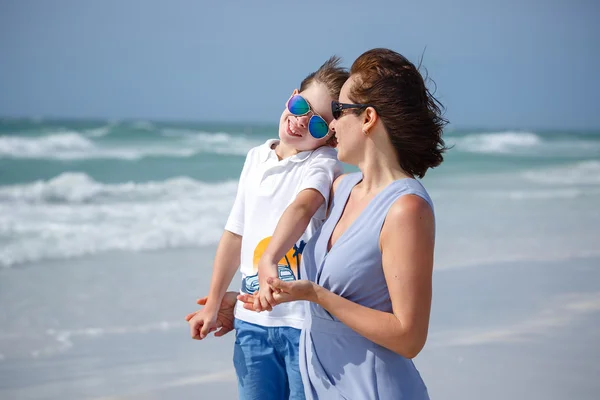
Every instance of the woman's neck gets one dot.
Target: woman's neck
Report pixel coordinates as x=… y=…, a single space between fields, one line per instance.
x=379 y=169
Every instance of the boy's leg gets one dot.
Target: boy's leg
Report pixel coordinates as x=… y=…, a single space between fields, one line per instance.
x=288 y=348
x=260 y=371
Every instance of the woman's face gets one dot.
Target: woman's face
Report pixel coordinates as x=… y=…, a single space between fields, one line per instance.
x=348 y=129
x=293 y=130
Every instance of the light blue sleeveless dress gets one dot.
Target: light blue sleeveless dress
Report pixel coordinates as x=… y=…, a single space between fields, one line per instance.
x=335 y=361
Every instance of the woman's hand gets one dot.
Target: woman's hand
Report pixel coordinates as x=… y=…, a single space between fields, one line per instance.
x=284 y=292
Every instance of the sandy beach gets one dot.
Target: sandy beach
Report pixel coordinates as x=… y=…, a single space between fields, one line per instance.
x=112 y=328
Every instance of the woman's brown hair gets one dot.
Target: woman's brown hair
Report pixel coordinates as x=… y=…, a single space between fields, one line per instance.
x=410 y=113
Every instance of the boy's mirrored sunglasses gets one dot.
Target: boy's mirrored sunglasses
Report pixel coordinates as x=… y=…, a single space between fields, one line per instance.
x=317 y=126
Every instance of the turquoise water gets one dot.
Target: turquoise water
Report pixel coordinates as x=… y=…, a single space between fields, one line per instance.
x=76 y=188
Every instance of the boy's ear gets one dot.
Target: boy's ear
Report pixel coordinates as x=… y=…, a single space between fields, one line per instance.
x=295 y=92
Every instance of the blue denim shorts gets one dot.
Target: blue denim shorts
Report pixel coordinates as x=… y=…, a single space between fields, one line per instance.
x=266 y=362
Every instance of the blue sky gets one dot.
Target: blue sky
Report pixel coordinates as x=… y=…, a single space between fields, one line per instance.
x=510 y=64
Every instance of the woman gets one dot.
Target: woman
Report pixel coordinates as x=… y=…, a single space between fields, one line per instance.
x=369 y=268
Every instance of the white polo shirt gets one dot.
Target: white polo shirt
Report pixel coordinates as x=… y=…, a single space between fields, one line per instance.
x=266 y=188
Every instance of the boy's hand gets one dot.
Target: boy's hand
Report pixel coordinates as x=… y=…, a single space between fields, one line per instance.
x=223 y=319
x=264 y=300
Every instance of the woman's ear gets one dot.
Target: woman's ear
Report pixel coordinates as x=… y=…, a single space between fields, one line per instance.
x=370 y=118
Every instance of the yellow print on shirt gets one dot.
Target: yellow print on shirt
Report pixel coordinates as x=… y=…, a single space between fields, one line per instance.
x=288 y=266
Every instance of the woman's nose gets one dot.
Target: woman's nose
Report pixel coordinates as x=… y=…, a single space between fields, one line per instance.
x=332 y=125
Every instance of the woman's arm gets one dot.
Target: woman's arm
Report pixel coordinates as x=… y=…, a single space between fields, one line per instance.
x=407 y=241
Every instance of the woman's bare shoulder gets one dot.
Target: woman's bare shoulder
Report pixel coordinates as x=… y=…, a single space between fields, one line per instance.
x=336 y=182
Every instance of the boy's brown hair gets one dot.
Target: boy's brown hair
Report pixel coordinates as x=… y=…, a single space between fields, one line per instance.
x=333 y=77
x=329 y=74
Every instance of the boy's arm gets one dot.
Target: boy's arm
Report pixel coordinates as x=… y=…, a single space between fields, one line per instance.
x=291 y=226
x=227 y=258
x=227 y=261
x=314 y=190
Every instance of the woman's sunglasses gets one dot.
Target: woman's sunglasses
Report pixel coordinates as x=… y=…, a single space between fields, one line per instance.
x=317 y=127
x=337 y=108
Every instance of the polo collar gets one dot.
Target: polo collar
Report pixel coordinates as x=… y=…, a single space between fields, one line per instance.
x=266 y=151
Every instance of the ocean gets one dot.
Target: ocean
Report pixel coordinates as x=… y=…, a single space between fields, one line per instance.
x=108 y=229
x=77 y=188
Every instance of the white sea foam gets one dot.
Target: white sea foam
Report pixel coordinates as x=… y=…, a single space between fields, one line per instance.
x=497 y=142
x=76 y=146
x=515 y=194
x=143 y=125
x=39 y=147
x=581 y=173
x=524 y=143
x=73 y=215
x=70 y=145
x=219 y=142
x=98 y=132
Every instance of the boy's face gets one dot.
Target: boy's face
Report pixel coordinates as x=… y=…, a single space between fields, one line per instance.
x=293 y=130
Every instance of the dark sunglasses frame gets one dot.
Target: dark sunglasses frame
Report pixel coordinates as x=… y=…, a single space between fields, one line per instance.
x=337 y=108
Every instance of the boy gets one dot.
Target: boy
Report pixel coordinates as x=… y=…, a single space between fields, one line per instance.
x=281 y=201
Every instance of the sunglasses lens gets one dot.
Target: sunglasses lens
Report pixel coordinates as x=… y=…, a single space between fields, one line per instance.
x=297 y=105
x=336 y=109
x=318 y=127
